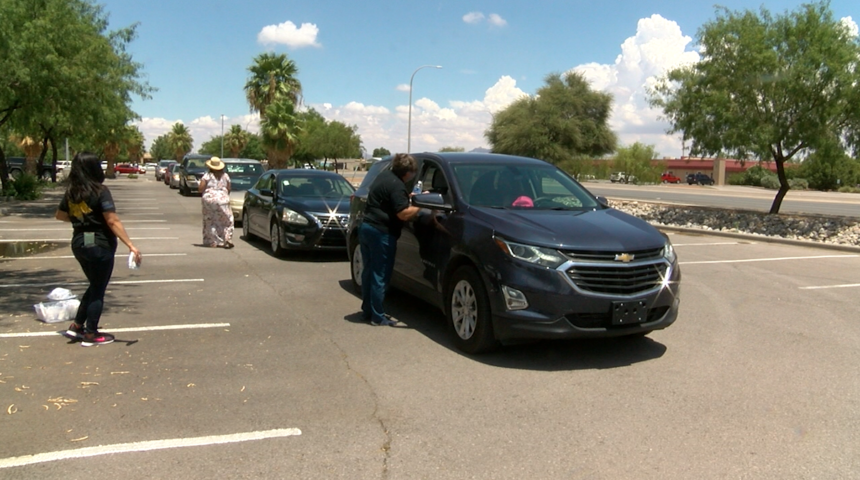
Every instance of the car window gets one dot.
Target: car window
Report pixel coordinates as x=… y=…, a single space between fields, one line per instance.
x=243 y=168
x=265 y=182
x=314 y=186
x=433 y=180
x=542 y=187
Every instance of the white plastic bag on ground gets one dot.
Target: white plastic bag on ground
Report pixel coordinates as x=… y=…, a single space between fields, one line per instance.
x=54 y=312
x=58 y=294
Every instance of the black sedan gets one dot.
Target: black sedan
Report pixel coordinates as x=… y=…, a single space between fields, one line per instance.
x=298 y=209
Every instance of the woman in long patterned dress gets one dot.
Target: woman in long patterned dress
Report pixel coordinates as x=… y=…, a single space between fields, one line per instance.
x=217 y=214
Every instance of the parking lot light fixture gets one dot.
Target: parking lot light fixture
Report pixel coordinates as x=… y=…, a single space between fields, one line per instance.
x=409 y=127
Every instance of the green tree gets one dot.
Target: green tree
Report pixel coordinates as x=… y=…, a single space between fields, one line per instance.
x=272 y=76
x=280 y=130
x=452 y=149
x=180 y=141
x=636 y=160
x=829 y=167
x=211 y=146
x=235 y=140
x=160 y=148
x=62 y=73
x=564 y=120
x=768 y=87
x=133 y=143
x=380 y=152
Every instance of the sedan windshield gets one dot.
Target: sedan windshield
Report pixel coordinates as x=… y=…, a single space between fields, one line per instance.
x=541 y=187
x=314 y=186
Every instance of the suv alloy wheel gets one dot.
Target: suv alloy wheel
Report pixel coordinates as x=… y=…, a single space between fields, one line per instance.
x=468 y=310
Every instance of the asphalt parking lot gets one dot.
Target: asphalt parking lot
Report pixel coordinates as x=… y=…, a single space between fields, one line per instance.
x=238 y=364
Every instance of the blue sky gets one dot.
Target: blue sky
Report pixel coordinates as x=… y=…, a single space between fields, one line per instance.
x=355 y=60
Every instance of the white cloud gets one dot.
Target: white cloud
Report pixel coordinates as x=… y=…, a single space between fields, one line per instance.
x=658 y=46
x=403 y=87
x=497 y=20
x=287 y=34
x=851 y=25
x=473 y=17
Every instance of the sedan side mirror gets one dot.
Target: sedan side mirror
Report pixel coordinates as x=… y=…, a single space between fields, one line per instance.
x=603 y=201
x=433 y=201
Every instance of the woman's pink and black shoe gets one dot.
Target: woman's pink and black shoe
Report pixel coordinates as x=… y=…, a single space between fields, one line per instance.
x=96 y=338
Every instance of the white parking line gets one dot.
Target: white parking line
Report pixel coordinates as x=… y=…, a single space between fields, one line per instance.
x=118 y=282
x=69 y=229
x=147 y=446
x=56 y=257
x=15 y=240
x=822 y=287
x=768 y=259
x=709 y=244
x=124 y=330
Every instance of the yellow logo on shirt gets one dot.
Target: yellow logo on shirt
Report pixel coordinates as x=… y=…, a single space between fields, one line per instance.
x=78 y=210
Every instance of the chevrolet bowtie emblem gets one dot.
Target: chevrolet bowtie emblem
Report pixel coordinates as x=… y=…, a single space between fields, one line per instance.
x=624 y=257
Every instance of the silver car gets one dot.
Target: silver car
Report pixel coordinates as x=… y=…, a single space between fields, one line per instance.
x=174 y=176
x=243 y=173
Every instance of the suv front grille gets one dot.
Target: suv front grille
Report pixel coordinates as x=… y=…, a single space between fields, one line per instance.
x=617 y=278
x=589 y=256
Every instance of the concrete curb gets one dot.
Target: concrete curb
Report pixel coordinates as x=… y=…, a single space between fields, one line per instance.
x=759 y=238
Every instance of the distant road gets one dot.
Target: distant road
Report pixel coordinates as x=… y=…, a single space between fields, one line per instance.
x=729 y=196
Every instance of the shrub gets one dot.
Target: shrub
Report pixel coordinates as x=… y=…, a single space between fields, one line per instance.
x=26 y=187
x=770 y=181
x=848 y=189
x=132 y=175
x=798 y=184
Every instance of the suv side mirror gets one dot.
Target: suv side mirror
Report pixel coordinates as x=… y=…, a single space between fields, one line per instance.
x=266 y=192
x=433 y=201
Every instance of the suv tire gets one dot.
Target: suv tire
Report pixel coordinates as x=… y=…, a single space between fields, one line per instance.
x=356 y=266
x=468 y=310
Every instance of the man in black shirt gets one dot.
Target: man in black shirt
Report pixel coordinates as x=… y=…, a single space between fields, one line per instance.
x=387 y=209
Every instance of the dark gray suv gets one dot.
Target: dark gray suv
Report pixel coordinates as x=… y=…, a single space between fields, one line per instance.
x=191 y=170
x=514 y=248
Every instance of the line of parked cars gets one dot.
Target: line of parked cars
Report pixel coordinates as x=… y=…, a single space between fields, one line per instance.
x=509 y=248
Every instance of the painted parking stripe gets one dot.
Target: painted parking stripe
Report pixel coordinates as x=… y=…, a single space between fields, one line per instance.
x=59 y=257
x=768 y=259
x=15 y=240
x=822 y=287
x=69 y=229
x=118 y=282
x=190 y=326
x=147 y=446
x=709 y=244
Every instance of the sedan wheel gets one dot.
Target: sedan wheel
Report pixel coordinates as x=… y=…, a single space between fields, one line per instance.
x=246 y=226
x=357 y=267
x=469 y=312
x=276 y=239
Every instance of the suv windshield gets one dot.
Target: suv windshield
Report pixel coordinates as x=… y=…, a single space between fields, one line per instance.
x=541 y=187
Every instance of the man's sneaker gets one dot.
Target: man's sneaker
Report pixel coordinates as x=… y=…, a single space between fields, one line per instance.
x=96 y=338
x=388 y=321
x=75 y=331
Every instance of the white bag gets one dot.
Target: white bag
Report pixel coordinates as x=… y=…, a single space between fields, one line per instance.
x=54 y=312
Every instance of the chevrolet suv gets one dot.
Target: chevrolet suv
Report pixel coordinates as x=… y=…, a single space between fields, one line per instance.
x=513 y=248
x=191 y=170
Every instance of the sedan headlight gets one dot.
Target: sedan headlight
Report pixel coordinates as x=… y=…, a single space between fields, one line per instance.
x=669 y=252
x=545 y=257
x=293 y=217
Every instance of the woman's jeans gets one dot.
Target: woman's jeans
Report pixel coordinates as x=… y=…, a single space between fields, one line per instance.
x=377 y=254
x=97 y=263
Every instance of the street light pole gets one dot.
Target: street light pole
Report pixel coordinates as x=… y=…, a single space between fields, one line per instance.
x=222 y=135
x=409 y=128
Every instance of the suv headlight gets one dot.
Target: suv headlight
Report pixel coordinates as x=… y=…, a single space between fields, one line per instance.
x=291 y=216
x=545 y=257
x=669 y=252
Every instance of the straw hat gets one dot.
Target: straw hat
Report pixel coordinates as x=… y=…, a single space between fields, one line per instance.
x=215 y=163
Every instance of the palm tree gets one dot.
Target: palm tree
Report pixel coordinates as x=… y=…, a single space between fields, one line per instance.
x=180 y=140
x=280 y=128
x=236 y=140
x=32 y=149
x=133 y=143
x=272 y=76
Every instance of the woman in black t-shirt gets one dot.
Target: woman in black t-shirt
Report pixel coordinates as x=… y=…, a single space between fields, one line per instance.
x=88 y=205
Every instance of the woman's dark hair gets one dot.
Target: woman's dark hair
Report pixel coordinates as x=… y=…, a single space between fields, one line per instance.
x=402 y=164
x=85 y=177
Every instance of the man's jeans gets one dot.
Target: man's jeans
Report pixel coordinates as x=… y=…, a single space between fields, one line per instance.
x=377 y=254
